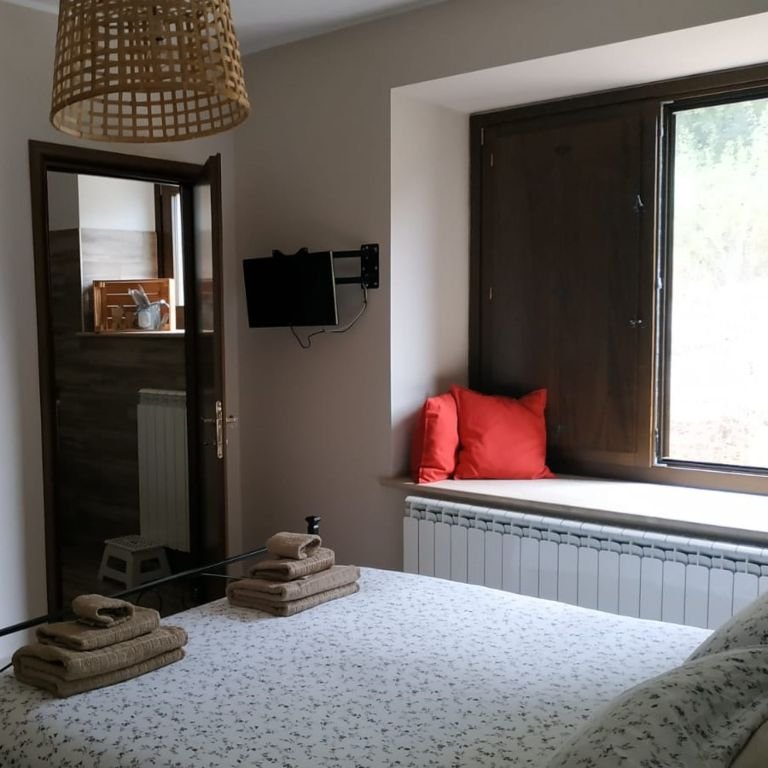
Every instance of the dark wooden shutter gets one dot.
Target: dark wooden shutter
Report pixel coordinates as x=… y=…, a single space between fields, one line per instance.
x=564 y=289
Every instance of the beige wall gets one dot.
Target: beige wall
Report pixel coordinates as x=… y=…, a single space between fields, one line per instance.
x=313 y=168
x=26 y=52
x=429 y=269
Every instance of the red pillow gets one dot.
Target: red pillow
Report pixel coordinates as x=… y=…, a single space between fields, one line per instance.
x=435 y=440
x=501 y=437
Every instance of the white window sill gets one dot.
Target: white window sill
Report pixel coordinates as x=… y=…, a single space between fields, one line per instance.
x=718 y=514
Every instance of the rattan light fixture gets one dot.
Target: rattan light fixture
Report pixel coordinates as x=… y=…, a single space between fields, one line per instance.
x=147 y=70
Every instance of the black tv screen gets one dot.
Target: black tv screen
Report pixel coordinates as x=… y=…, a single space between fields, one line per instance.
x=290 y=290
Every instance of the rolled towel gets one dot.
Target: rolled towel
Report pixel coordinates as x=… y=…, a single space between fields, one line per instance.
x=285 y=591
x=284 y=569
x=63 y=688
x=296 y=546
x=100 y=611
x=245 y=598
x=82 y=637
x=66 y=664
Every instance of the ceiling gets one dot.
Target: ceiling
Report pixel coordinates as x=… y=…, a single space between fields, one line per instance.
x=723 y=45
x=266 y=23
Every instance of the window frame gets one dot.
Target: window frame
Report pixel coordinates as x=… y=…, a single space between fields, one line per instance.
x=665 y=258
x=661 y=97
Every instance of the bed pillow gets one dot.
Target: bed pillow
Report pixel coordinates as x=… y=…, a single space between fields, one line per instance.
x=748 y=627
x=701 y=714
x=435 y=440
x=501 y=438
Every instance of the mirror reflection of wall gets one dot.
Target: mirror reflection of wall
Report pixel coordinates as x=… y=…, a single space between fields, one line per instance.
x=121 y=461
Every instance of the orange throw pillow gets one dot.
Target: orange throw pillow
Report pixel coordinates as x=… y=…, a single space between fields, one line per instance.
x=501 y=438
x=435 y=440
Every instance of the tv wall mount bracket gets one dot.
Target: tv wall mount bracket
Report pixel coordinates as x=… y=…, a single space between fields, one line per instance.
x=369 y=264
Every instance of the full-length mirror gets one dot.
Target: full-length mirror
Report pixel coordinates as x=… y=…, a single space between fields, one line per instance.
x=131 y=372
x=120 y=380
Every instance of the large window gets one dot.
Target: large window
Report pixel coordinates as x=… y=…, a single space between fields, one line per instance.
x=620 y=259
x=714 y=385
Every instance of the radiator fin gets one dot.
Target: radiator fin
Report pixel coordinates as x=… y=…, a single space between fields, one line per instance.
x=426 y=548
x=493 y=559
x=443 y=550
x=475 y=556
x=568 y=573
x=629 y=585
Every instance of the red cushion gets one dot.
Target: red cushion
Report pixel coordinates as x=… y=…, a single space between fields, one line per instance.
x=501 y=438
x=435 y=440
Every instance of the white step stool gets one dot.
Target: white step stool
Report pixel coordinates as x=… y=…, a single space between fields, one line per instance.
x=133 y=561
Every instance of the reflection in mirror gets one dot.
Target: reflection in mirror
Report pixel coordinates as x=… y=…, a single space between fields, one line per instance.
x=204 y=257
x=116 y=308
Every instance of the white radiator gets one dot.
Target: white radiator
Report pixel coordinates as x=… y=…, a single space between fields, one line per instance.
x=163 y=473
x=645 y=574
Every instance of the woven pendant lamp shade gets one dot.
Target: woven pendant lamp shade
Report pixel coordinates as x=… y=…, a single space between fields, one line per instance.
x=147 y=71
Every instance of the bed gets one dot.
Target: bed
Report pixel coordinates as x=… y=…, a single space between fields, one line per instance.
x=411 y=671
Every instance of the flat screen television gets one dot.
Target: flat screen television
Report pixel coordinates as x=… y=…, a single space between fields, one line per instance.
x=298 y=290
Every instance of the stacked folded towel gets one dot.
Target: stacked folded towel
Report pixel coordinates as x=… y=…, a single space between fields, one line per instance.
x=300 y=574
x=109 y=642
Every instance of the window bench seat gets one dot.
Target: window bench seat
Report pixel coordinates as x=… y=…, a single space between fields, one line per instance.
x=686 y=511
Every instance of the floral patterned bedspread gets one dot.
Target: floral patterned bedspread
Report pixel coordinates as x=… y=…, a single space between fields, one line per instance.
x=411 y=671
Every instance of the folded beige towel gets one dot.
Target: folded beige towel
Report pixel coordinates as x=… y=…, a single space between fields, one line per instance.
x=100 y=611
x=284 y=591
x=63 y=688
x=65 y=664
x=244 y=598
x=82 y=637
x=285 y=569
x=297 y=546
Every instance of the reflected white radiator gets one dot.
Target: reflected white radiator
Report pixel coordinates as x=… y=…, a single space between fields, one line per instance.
x=163 y=473
x=637 y=573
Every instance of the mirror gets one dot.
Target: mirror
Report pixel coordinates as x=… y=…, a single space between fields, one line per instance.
x=116 y=302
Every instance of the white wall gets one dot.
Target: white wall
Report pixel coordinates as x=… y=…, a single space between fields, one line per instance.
x=313 y=168
x=26 y=52
x=429 y=268
x=122 y=204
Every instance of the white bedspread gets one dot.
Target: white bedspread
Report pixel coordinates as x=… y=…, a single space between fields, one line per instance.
x=411 y=671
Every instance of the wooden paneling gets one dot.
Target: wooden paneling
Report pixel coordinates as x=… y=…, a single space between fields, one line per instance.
x=110 y=254
x=559 y=296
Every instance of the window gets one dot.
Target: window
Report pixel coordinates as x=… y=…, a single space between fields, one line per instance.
x=620 y=259
x=714 y=368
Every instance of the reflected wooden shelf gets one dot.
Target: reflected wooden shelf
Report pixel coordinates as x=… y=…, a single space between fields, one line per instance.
x=133 y=334
x=114 y=309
